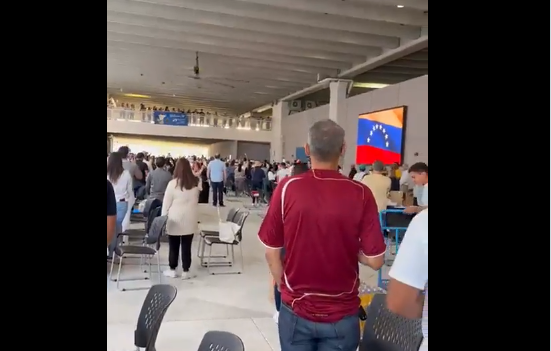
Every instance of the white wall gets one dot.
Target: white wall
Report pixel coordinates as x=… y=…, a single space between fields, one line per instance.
x=295 y=128
x=254 y=151
x=159 y=147
x=224 y=148
x=412 y=93
x=141 y=128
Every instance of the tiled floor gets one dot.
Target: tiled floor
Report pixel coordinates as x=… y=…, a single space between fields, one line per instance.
x=236 y=303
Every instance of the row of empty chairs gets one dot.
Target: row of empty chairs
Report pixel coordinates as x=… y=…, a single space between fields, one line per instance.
x=154 y=308
x=146 y=244
x=383 y=331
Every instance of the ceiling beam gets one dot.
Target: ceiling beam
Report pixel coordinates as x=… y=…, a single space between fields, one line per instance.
x=273 y=13
x=183 y=37
x=172 y=44
x=422 y=5
x=250 y=24
x=408 y=64
x=399 y=70
x=362 y=11
x=187 y=57
x=131 y=67
x=264 y=39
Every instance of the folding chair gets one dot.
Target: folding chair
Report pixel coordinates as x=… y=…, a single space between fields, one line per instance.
x=149 y=250
x=221 y=340
x=212 y=230
x=156 y=303
x=386 y=331
x=210 y=241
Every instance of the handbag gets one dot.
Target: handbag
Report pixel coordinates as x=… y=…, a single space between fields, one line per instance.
x=227 y=230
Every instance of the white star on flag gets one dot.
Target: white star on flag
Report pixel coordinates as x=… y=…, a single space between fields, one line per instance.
x=383 y=130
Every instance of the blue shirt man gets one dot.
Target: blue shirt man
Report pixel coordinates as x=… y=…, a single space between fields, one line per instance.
x=216 y=173
x=216 y=169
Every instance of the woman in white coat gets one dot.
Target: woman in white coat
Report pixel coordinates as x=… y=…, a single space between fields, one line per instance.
x=180 y=204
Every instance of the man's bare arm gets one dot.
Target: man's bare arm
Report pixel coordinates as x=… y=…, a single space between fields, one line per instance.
x=273 y=257
x=374 y=263
x=404 y=300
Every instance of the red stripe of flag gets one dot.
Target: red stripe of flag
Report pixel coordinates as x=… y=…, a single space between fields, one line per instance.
x=366 y=154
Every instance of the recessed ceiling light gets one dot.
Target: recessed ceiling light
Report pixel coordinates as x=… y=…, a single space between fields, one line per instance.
x=400 y=6
x=139 y=96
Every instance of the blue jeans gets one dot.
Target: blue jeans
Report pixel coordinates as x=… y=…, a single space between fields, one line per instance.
x=299 y=334
x=122 y=208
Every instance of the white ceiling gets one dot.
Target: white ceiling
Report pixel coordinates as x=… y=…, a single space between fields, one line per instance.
x=251 y=52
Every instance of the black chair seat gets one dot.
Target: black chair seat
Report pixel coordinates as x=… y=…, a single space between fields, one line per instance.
x=134 y=250
x=134 y=232
x=213 y=240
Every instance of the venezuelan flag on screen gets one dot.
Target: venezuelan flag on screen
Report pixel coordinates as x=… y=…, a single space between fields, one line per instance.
x=380 y=136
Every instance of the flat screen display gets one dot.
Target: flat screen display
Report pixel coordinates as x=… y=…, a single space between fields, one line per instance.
x=381 y=136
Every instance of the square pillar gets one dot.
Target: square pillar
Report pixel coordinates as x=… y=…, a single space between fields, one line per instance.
x=337 y=102
x=279 y=111
x=338 y=92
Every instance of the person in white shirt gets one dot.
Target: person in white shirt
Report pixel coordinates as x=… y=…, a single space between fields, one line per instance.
x=379 y=185
x=282 y=172
x=361 y=173
x=182 y=208
x=419 y=173
x=124 y=193
x=409 y=275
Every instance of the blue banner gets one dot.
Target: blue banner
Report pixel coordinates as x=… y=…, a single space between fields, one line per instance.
x=170 y=118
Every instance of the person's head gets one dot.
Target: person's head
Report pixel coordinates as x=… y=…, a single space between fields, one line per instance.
x=419 y=172
x=362 y=168
x=160 y=162
x=184 y=175
x=352 y=167
x=114 y=167
x=282 y=165
x=240 y=167
x=325 y=144
x=395 y=166
x=378 y=167
x=299 y=168
x=124 y=151
x=140 y=156
x=217 y=156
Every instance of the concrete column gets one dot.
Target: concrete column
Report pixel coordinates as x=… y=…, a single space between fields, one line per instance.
x=337 y=101
x=337 y=108
x=279 y=111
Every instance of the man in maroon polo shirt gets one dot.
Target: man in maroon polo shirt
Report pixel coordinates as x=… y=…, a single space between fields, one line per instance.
x=326 y=224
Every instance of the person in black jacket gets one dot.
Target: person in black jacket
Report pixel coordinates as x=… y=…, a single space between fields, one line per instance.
x=257 y=179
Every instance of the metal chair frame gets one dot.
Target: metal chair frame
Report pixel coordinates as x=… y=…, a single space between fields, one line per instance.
x=146 y=252
x=210 y=241
x=232 y=214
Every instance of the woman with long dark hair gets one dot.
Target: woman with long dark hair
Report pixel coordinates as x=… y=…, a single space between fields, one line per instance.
x=124 y=192
x=201 y=171
x=180 y=205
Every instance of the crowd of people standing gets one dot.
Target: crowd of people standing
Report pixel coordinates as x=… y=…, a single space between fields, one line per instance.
x=315 y=272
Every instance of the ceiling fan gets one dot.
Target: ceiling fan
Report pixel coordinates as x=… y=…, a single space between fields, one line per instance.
x=197 y=75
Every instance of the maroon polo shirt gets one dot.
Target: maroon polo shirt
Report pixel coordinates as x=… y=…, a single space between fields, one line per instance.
x=323 y=220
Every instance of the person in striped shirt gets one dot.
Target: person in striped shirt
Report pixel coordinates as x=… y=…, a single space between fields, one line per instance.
x=409 y=275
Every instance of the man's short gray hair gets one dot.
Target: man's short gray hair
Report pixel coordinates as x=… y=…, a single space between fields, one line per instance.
x=378 y=166
x=326 y=139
